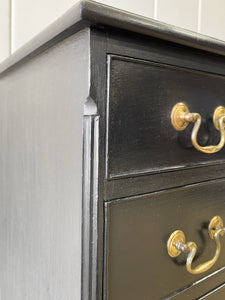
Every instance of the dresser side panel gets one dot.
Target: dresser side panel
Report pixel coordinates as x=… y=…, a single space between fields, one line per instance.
x=41 y=124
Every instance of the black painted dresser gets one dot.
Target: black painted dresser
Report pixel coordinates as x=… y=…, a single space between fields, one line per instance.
x=112 y=165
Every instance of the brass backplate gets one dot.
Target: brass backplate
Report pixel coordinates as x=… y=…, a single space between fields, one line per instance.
x=219 y=112
x=180 y=109
x=215 y=223
x=175 y=238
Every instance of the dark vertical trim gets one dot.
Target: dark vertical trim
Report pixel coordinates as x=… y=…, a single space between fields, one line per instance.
x=107 y=116
x=104 y=283
x=98 y=91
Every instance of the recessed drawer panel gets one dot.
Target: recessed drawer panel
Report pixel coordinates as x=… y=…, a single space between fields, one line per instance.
x=141 y=138
x=138 y=265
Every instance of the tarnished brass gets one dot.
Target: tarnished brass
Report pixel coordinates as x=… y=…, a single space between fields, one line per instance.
x=177 y=116
x=181 y=117
x=215 y=223
x=175 y=238
x=218 y=113
x=176 y=244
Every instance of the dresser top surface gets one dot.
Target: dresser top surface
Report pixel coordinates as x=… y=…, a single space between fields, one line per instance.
x=88 y=13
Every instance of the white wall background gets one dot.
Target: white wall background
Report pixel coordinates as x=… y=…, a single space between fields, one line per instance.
x=20 y=20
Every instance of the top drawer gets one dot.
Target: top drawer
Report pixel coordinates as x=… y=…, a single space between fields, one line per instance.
x=141 y=138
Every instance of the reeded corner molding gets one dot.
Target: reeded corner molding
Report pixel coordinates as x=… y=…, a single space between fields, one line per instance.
x=89 y=290
x=90 y=107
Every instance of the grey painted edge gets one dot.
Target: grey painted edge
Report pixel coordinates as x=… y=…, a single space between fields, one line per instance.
x=90 y=201
x=89 y=13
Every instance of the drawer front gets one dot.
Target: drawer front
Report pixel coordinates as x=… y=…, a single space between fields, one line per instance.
x=217 y=294
x=137 y=229
x=141 y=138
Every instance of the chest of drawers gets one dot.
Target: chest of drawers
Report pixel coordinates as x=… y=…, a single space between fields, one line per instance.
x=96 y=174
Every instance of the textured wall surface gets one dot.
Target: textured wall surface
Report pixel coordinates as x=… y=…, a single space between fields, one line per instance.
x=21 y=20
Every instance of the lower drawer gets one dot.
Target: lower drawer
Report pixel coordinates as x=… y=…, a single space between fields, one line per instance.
x=137 y=263
x=216 y=294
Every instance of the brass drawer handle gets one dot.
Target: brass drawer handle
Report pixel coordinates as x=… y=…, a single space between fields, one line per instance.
x=176 y=244
x=181 y=117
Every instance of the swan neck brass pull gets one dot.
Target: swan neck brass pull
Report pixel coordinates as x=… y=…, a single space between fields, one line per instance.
x=176 y=244
x=181 y=117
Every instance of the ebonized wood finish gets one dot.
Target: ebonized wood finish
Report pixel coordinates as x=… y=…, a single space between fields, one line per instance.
x=130 y=86
x=127 y=173
x=137 y=259
x=216 y=294
x=141 y=178
x=141 y=138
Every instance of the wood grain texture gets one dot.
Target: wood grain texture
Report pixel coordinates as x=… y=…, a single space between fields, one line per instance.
x=135 y=49
x=98 y=94
x=109 y=41
x=138 y=265
x=141 y=97
x=42 y=92
x=41 y=119
x=198 y=289
x=216 y=294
